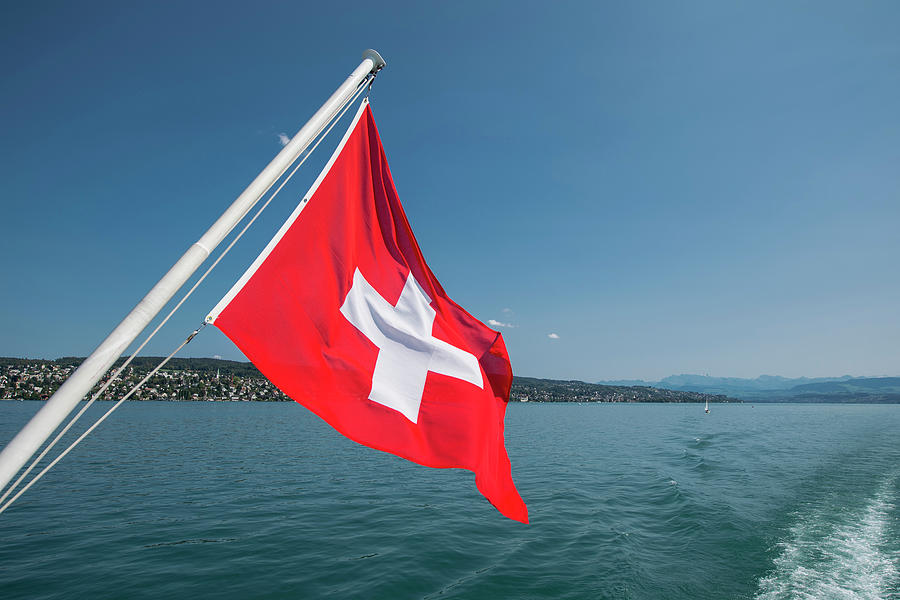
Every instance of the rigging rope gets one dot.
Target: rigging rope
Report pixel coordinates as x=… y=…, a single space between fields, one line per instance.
x=365 y=85
x=101 y=419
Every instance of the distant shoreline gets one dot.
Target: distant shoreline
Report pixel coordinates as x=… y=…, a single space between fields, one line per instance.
x=699 y=402
x=218 y=380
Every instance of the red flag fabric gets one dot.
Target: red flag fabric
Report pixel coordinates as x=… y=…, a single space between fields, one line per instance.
x=341 y=312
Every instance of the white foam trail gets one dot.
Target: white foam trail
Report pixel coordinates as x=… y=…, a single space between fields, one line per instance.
x=838 y=555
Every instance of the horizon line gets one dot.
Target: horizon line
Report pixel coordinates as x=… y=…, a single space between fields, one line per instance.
x=594 y=381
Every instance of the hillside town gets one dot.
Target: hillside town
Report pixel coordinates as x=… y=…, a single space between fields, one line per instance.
x=38 y=379
x=213 y=380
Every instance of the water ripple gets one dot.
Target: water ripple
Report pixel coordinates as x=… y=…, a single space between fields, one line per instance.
x=635 y=502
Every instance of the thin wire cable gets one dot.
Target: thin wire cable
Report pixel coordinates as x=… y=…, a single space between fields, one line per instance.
x=307 y=153
x=77 y=416
x=119 y=371
x=101 y=419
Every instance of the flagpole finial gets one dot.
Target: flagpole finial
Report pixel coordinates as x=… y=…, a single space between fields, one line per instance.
x=377 y=62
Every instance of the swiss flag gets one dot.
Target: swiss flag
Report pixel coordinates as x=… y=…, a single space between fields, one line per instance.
x=341 y=312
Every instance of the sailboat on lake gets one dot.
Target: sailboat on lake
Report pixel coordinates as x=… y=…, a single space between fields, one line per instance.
x=706 y=408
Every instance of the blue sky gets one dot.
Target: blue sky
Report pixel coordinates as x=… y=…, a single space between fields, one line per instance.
x=698 y=187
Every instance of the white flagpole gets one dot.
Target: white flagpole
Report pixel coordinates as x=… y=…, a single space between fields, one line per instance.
x=29 y=439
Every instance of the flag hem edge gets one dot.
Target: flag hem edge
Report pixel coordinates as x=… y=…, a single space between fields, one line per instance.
x=236 y=288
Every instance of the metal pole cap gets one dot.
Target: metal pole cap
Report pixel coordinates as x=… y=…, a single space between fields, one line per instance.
x=377 y=62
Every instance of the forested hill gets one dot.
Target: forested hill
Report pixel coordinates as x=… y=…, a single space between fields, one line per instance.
x=860 y=389
x=530 y=389
x=216 y=379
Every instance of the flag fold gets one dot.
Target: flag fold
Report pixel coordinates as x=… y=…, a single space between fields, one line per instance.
x=341 y=312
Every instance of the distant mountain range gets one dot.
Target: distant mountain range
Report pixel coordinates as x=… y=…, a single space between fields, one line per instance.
x=780 y=389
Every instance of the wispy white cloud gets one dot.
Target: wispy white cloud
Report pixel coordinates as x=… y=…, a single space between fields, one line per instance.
x=506 y=311
x=283 y=139
x=552 y=336
x=217 y=356
x=494 y=323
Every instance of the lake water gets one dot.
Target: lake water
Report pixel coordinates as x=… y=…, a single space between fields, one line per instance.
x=638 y=501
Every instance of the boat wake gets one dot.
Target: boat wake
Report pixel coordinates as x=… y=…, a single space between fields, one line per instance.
x=837 y=552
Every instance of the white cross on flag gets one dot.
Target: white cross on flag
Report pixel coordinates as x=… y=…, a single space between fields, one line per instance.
x=341 y=312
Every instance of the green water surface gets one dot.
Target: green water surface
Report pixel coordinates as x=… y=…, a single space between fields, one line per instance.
x=643 y=501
